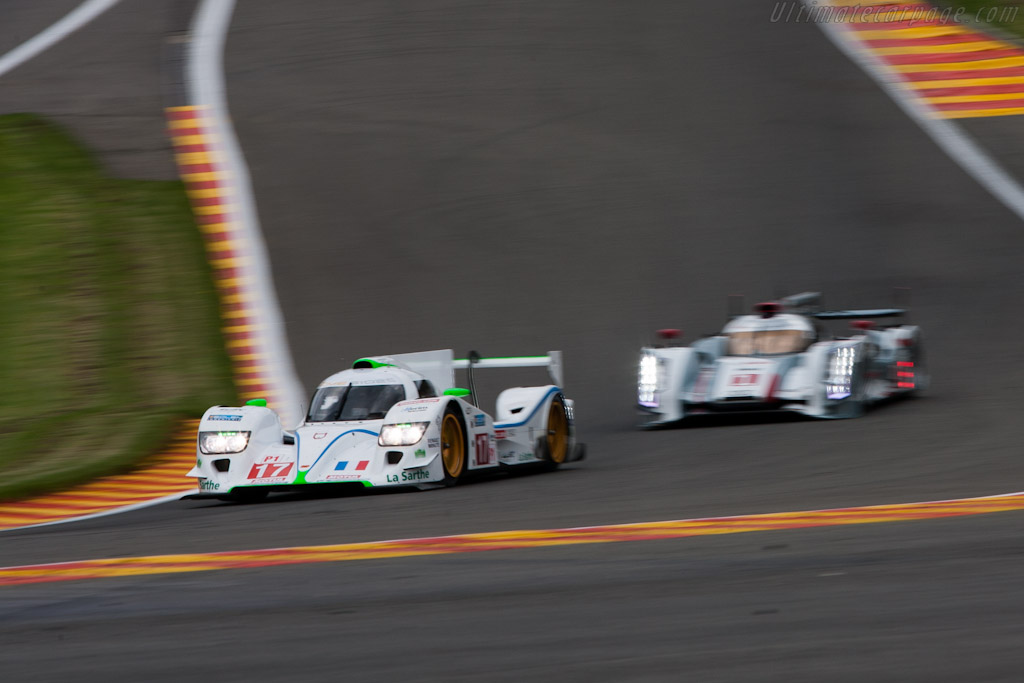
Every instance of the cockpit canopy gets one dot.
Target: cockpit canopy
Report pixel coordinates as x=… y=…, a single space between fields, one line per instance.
x=757 y=336
x=354 y=402
x=767 y=342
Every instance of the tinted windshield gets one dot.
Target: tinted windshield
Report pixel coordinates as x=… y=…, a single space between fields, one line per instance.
x=363 y=402
x=767 y=342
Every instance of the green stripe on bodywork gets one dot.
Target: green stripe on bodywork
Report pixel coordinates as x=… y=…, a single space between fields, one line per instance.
x=466 y=360
x=373 y=363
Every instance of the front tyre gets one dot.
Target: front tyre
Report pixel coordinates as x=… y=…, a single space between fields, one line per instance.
x=453 y=446
x=246 y=494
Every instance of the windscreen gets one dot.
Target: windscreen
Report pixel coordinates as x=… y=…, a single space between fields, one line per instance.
x=361 y=402
x=767 y=342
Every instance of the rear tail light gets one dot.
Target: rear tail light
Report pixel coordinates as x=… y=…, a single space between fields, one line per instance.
x=904 y=374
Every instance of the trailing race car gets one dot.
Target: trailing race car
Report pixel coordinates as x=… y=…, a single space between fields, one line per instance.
x=384 y=423
x=781 y=359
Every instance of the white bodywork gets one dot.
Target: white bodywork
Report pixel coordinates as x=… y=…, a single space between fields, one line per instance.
x=738 y=370
x=351 y=450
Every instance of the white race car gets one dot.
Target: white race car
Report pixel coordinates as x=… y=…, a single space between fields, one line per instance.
x=384 y=423
x=782 y=359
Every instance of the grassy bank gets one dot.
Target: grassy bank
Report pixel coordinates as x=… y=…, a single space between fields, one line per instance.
x=110 y=330
x=1003 y=14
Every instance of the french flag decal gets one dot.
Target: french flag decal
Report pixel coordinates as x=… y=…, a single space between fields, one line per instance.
x=361 y=465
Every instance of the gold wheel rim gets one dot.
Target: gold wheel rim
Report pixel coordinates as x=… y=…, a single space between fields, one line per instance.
x=558 y=432
x=453 y=452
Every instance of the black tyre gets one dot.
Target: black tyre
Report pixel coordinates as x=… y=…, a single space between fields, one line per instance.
x=248 y=494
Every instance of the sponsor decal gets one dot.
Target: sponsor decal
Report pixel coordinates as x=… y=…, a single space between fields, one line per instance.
x=270 y=471
x=207 y=485
x=434 y=442
x=415 y=409
x=483 y=449
x=319 y=435
x=420 y=453
x=224 y=418
x=744 y=380
x=407 y=476
x=702 y=383
x=479 y=420
x=523 y=457
x=343 y=465
x=199 y=462
x=342 y=477
x=500 y=434
x=420 y=400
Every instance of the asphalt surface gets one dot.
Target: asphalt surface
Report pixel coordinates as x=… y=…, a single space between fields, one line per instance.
x=534 y=176
x=105 y=83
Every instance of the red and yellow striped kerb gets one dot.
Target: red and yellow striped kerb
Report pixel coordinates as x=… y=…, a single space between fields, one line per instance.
x=955 y=70
x=502 y=540
x=163 y=478
x=210 y=191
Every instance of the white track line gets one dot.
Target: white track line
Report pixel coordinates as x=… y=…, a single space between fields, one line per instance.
x=74 y=20
x=206 y=88
x=112 y=511
x=952 y=139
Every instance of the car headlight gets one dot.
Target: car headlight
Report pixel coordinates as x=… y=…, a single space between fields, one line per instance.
x=650 y=380
x=839 y=382
x=404 y=434
x=223 y=442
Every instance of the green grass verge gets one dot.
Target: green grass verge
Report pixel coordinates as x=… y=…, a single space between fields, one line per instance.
x=1007 y=15
x=109 y=327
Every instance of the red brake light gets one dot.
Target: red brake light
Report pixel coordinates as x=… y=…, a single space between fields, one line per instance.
x=768 y=309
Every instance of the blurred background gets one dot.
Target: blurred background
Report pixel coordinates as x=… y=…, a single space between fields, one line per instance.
x=514 y=178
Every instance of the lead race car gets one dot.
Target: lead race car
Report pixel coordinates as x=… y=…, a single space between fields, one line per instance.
x=383 y=423
x=781 y=358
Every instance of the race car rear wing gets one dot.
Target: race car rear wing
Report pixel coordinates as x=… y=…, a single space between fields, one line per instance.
x=552 y=361
x=439 y=366
x=854 y=314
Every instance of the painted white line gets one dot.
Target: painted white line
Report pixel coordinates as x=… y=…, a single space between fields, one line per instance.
x=206 y=88
x=74 y=20
x=950 y=138
x=106 y=513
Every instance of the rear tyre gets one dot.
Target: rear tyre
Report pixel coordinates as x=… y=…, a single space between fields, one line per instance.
x=453 y=446
x=556 y=444
x=921 y=376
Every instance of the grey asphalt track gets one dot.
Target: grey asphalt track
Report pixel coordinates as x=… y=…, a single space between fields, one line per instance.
x=521 y=177
x=105 y=82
